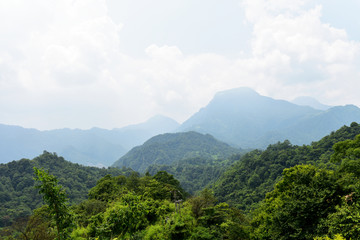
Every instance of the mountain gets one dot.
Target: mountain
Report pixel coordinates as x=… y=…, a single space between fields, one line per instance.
x=93 y=147
x=311 y=102
x=244 y=118
x=171 y=147
x=18 y=196
x=137 y=134
x=86 y=147
x=254 y=174
x=315 y=127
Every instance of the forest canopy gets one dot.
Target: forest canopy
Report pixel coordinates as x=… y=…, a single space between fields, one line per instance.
x=283 y=192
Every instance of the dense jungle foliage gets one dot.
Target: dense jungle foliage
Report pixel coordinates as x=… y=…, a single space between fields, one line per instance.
x=245 y=183
x=19 y=198
x=300 y=192
x=197 y=173
x=133 y=207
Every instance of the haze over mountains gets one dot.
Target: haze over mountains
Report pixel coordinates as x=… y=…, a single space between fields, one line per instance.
x=248 y=120
x=311 y=102
x=240 y=117
x=94 y=147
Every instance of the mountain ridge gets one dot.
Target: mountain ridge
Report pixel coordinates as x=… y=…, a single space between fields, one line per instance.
x=311 y=102
x=92 y=147
x=247 y=119
x=240 y=117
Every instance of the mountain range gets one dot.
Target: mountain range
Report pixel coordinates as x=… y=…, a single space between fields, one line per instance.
x=311 y=102
x=93 y=147
x=246 y=119
x=239 y=117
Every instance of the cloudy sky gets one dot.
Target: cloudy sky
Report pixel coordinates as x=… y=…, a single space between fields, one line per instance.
x=110 y=63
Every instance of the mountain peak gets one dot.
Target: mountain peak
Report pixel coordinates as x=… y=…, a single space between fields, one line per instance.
x=237 y=92
x=157 y=123
x=161 y=119
x=311 y=102
x=247 y=119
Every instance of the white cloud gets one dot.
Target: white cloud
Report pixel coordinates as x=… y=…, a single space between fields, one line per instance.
x=61 y=64
x=303 y=37
x=312 y=51
x=164 y=52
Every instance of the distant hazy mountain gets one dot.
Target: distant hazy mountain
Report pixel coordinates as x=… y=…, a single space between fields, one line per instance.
x=244 y=118
x=167 y=148
x=81 y=146
x=311 y=102
x=94 y=147
x=134 y=135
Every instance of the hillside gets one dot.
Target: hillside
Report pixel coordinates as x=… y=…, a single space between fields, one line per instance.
x=195 y=174
x=246 y=182
x=18 y=197
x=167 y=148
x=93 y=147
x=307 y=196
x=245 y=118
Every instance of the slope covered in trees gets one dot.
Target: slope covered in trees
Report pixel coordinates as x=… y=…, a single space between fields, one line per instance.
x=169 y=148
x=246 y=182
x=314 y=193
x=197 y=173
x=308 y=202
x=18 y=197
x=312 y=202
x=133 y=207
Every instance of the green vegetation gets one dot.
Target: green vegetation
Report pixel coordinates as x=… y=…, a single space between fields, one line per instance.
x=18 y=197
x=283 y=192
x=132 y=207
x=169 y=148
x=310 y=202
x=55 y=197
x=195 y=174
x=246 y=183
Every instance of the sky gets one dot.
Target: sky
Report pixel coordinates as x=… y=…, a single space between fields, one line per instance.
x=111 y=63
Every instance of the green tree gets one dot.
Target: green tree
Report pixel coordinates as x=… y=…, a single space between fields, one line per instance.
x=348 y=154
x=168 y=180
x=300 y=202
x=205 y=199
x=127 y=216
x=346 y=219
x=108 y=188
x=55 y=197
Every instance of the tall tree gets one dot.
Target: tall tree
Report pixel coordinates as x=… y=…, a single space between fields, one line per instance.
x=55 y=197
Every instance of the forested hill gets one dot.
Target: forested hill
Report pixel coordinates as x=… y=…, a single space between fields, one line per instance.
x=249 y=120
x=312 y=192
x=18 y=197
x=196 y=173
x=172 y=147
x=246 y=182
